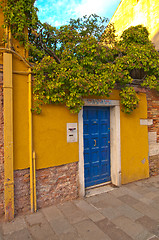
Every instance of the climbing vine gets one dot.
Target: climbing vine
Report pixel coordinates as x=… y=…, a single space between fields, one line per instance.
x=82 y=58
x=19 y=15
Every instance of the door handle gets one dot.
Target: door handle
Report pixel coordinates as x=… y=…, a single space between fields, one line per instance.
x=94 y=143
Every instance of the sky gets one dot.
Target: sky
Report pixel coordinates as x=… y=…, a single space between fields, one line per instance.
x=58 y=12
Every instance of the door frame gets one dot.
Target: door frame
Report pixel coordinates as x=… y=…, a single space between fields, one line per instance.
x=115 y=148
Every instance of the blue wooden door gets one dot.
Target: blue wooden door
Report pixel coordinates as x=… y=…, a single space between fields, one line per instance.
x=96 y=130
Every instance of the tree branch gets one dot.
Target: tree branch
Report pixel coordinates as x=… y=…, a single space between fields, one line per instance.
x=49 y=51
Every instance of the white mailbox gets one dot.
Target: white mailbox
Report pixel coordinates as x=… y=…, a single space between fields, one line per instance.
x=71 y=132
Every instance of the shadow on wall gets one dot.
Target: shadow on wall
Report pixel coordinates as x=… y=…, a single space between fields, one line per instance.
x=155 y=40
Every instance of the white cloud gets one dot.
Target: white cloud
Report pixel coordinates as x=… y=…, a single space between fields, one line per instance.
x=58 y=12
x=100 y=7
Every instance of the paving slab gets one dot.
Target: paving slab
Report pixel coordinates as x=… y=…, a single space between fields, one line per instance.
x=119 y=191
x=148 y=223
x=156 y=184
x=39 y=228
x=70 y=236
x=129 y=200
x=35 y=219
x=128 y=226
x=62 y=226
x=132 y=186
x=85 y=206
x=58 y=221
x=152 y=195
x=144 y=190
x=145 y=235
x=146 y=200
x=1 y=238
x=95 y=217
x=156 y=199
x=100 y=204
x=52 y=213
x=142 y=183
x=155 y=205
x=90 y=231
x=112 y=230
x=71 y=212
x=106 y=200
x=42 y=232
x=20 y=235
x=152 y=188
x=156 y=232
x=94 y=199
x=147 y=210
x=14 y=226
x=153 y=238
x=110 y=212
x=133 y=193
x=89 y=210
x=129 y=212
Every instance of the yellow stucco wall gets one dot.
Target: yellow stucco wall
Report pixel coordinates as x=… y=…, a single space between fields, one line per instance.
x=134 y=12
x=50 y=139
x=21 y=116
x=49 y=128
x=134 y=144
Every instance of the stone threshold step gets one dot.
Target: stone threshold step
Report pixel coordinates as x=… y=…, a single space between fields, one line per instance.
x=98 y=189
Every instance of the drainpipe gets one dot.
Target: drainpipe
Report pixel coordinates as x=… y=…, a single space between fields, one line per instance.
x=33 y=202
x=31 y=146
x=34 y=167
x=8 y=137
x=8 y=131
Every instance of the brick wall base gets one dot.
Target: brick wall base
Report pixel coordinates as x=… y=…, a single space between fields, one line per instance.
x=1 y=147
x=154 y=165
x=22 y=190
x=153 y=113
x=54 y=185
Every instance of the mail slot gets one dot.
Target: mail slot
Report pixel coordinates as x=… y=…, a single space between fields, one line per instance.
x=71 y=132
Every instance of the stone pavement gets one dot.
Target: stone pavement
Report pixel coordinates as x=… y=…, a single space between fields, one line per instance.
x=125 y=213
